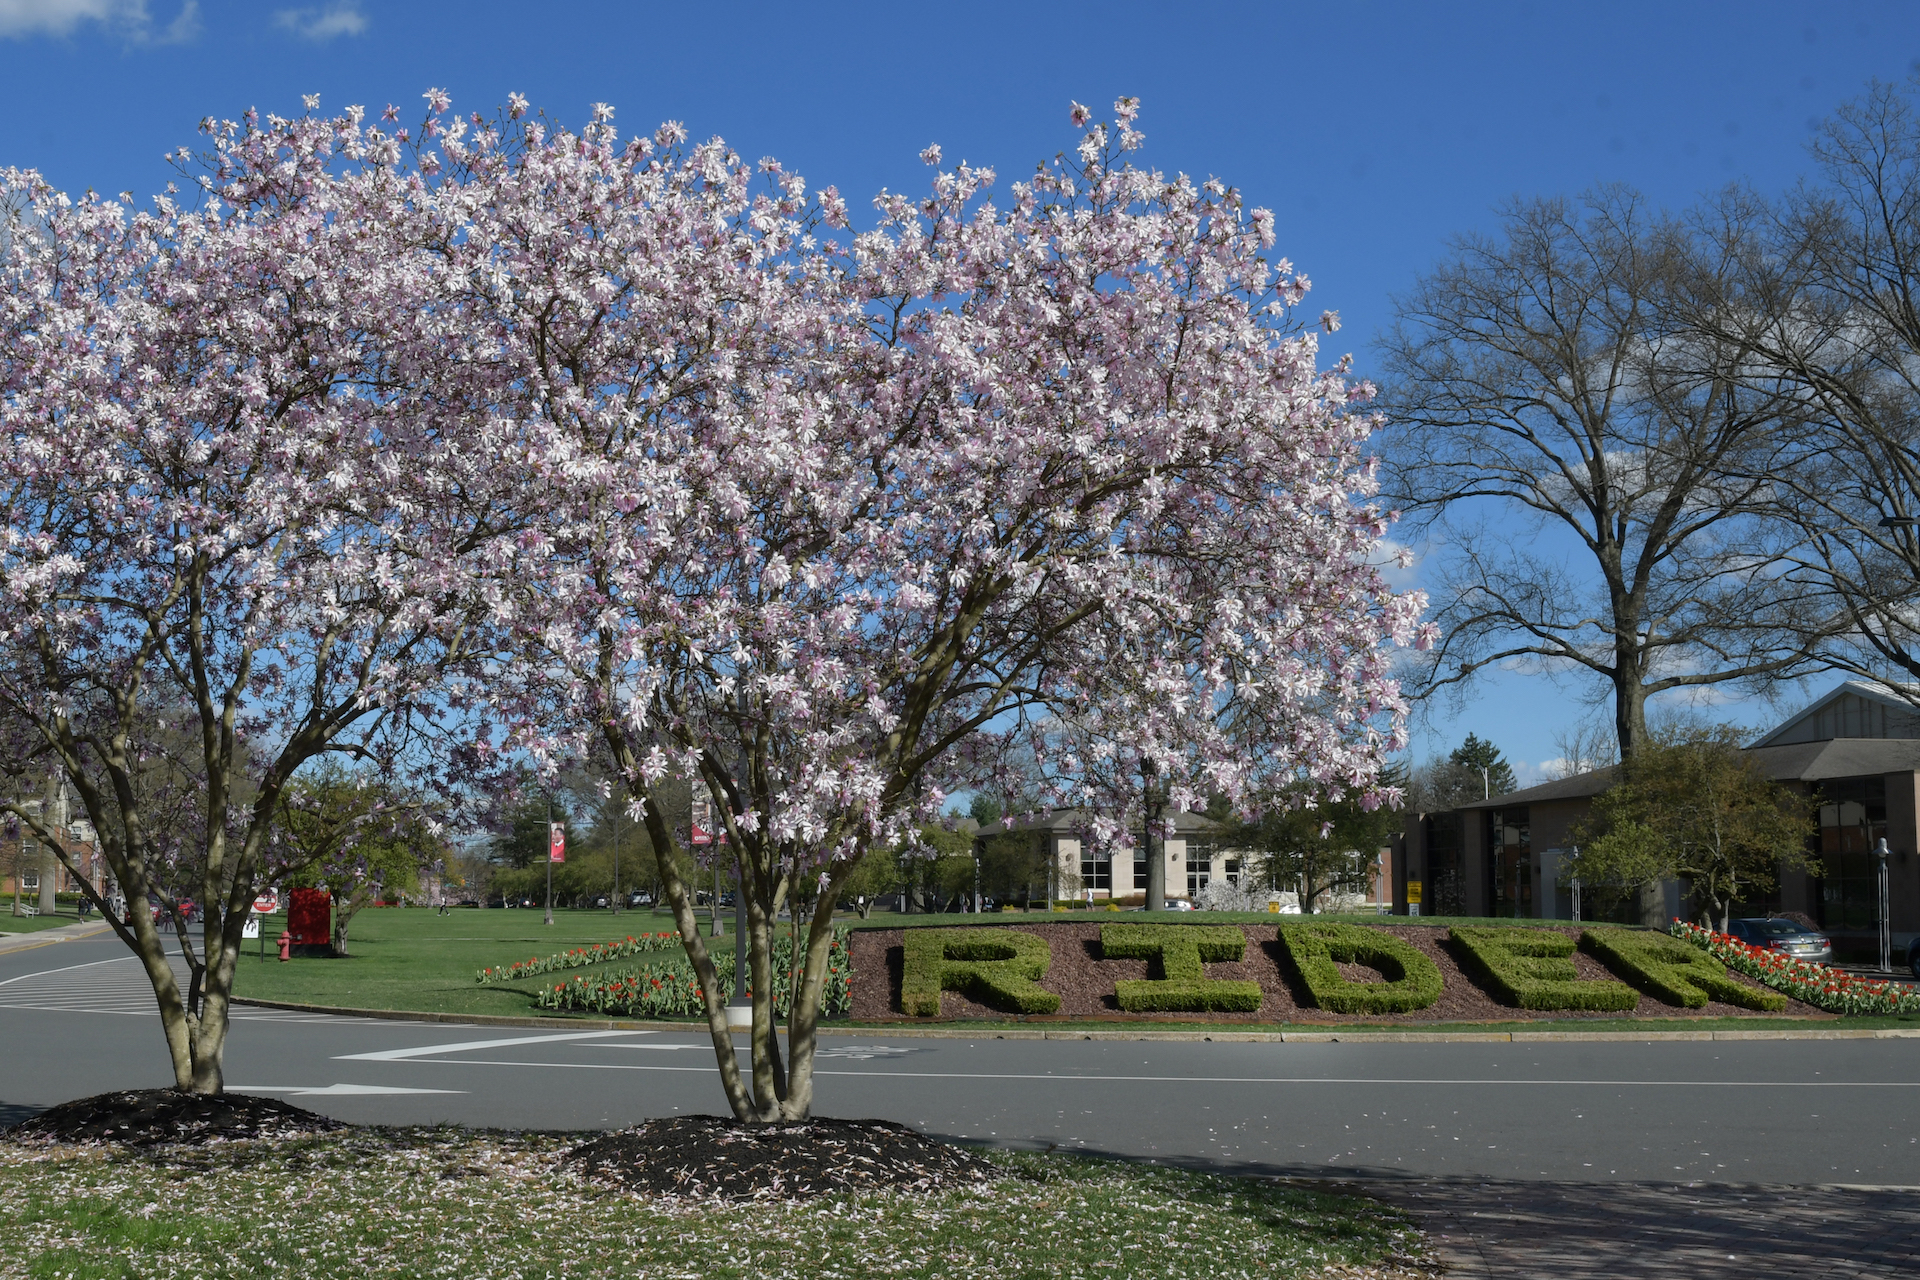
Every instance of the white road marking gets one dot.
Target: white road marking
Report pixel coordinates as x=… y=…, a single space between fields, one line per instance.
x=1097 y=1079
x=399 y=1055
x=70 y=968
x=707 y=1047
x=332 y=1090
x=72 y=989
x=862 y=1052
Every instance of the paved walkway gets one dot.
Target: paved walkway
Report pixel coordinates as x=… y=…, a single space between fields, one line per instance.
x=1584 y=1231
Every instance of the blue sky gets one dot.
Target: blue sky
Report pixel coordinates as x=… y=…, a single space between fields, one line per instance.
x=1374 y=130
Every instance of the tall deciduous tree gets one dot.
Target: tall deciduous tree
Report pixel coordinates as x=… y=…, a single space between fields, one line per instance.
x=1586 y=460
x=1694 y=807
x=1826 y=303
x=233 y=531
x=807 y=520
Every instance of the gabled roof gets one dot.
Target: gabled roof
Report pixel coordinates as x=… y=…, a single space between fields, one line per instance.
x=1578 y=787
x=1851 y=709
x=1838 y=758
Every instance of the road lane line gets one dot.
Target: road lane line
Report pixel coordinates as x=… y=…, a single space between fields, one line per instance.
x=331 y=1090
x=1079 y=1079
x=399 y=1055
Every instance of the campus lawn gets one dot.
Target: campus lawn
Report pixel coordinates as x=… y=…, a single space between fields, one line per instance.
x=10 y=923
x=452 y=1202
x=414 y=959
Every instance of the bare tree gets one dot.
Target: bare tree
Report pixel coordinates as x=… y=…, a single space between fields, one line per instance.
x=1825 y=302
x=1582 y=748
x=1539 y=378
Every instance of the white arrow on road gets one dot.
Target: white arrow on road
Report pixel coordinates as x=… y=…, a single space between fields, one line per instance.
x=331 y=1090
x=396 y=1055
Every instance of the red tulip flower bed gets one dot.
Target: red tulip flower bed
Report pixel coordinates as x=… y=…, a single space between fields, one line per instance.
x=1817 y=984
x=669 y=989
x=579 y=957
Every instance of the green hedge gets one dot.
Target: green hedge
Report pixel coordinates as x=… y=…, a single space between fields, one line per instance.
x=1180 y=954
x=1670 y=970
x=997 y=967
x=1531 y=969
x=1413 y=981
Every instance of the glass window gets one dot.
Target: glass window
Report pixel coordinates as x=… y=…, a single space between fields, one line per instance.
x=1853 y=819
x=1199 y=866
x=1096 y=871
x=1445 y=888
x=1510 y=862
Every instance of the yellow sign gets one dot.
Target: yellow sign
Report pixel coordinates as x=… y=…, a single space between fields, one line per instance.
x=1273 y=907
x=1413 y=891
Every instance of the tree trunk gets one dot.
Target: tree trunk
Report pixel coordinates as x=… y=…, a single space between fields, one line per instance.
x=1156 y=876
x=1629 y=705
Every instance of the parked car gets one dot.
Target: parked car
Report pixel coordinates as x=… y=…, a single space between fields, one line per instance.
x=639 y=899
x=1776 y=933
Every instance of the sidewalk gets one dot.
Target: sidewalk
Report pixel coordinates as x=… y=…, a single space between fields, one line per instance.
x=64 y=933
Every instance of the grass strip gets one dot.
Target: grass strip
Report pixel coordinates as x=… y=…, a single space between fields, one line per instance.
x=1534 y=969
x=450 y=1202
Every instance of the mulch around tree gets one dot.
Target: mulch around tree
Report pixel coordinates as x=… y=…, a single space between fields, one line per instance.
x=168 y=1117
x=1084 y=981
x=715 y=1157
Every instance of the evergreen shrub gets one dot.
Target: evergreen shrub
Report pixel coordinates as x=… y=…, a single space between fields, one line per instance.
x=998 y=967
x=1179 y=954
x=1315 y=950
x=1670 y=970
x=1533 y=969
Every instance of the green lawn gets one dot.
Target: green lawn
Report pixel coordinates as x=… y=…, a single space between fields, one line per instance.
x=10 y=923
x=450 y=1202
x=412 y=958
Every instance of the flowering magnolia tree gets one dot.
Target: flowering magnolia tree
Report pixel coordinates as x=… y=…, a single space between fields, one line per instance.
x=809 y=509
x=234 y=526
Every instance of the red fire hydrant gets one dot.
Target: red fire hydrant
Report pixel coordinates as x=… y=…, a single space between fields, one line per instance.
x=286 y=945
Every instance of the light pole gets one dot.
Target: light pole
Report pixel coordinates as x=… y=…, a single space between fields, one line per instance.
x=1886 y=924
x=616 y=864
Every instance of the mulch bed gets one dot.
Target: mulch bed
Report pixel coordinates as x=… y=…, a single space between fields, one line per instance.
x=1084 y=982
x=168 y=1117
x=714 y=1157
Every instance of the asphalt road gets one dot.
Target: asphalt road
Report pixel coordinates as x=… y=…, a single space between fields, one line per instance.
x=76 y=1019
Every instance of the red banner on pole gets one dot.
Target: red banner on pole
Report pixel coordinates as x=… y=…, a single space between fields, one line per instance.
x=556 y=842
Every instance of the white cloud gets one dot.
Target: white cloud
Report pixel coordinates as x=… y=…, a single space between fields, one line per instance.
x=340 y=19
x=128 y=18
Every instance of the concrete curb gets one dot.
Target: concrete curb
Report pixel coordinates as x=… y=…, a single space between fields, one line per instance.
x=1223 y=1035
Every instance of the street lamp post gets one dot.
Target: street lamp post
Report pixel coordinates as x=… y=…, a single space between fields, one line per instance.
x=1886 y=924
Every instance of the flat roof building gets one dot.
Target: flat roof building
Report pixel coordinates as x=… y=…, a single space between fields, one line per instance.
x=1857 y=747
